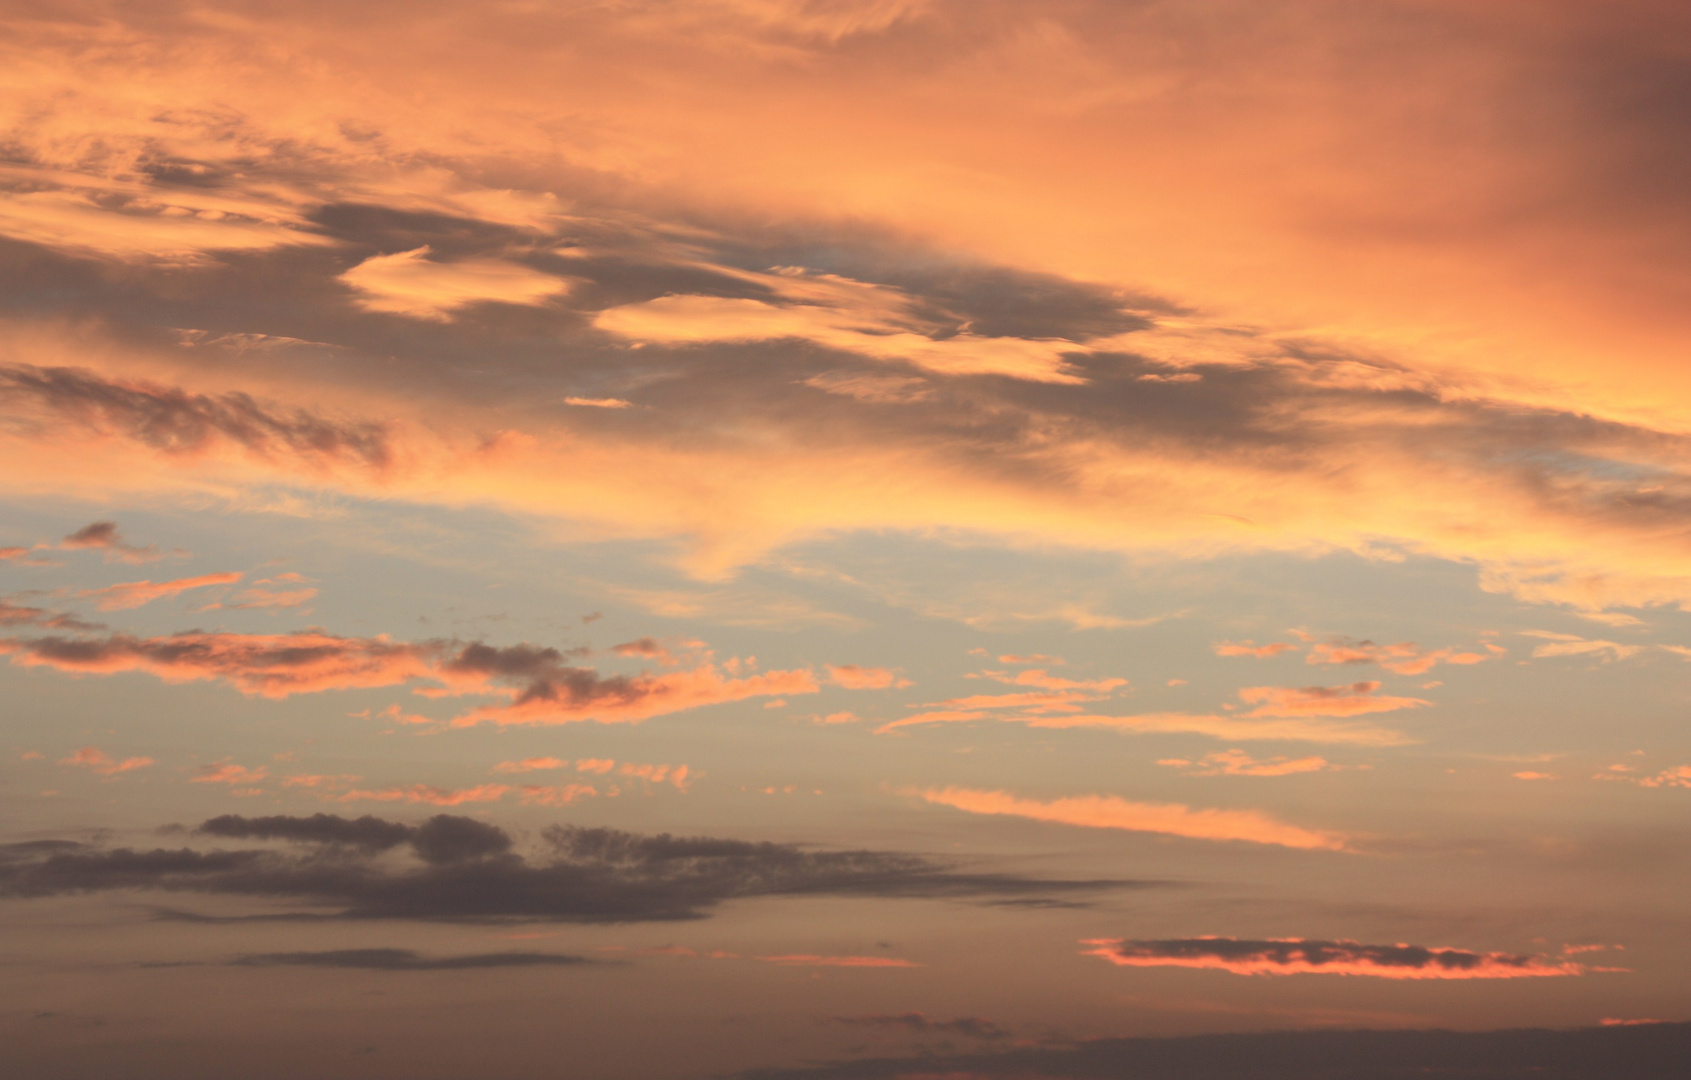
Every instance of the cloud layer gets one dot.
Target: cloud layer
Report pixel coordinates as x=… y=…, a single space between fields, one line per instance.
x=467 y=869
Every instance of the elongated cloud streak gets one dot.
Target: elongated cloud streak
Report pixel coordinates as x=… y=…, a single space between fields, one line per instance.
x=410 y=283
x=812 y=960
x=134 y=594
x=1110 y=812
x=545 y=690
x=1298 y=956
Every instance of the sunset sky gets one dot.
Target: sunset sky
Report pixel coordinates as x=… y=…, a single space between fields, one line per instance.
x=662 y=539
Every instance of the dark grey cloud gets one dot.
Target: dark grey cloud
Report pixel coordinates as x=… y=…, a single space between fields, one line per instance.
x=1295 y=954
x=971 y=1026
x=466 y=869
x=176 y=421
x=364 y=832
x=407 y=960
x=25 y=615
x=1643 y=1052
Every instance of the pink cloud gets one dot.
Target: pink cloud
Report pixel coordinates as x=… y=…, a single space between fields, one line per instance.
x=1042 y=678
x=98 y=761
x=564 y=795
x=103 y=536
x=1300 y=956
x=1251 y=648
x=1239 y=763
x=811 y=960
x=1403 y=658
x=529 y=765
x=543 y=689
x=855 y=677
x=1355 y=699
x=228 y=773
x=134 y=594
x=427 y=793
x=273 y=598
x=1110 y=812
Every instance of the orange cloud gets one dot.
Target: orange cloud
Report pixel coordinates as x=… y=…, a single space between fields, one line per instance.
x=427 y=793
x=1064 y=709
x=134 y=594
x=103 y=536
x=228 y=773
x=1123 y=189
x=410 y=283
x=878 y=322
x=854 y=677
x=1042 y=678
x=1574 y=645
x=1110 y=812
x=98 y=761
x=1404 y=658
x=278 y=665
x=811 y=960
x=1239 y=763
x=1299 y=956
x=656 y=774
x=529 y=765
x=272 y=598
x=1353 y=700
x=536 y=795
x=1251 y=648
x=630 y=700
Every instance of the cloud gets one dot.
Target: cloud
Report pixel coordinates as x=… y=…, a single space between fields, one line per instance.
x=229 y=773
x=1044 y=679
x=98 y=761
x=1239 y=763
x=407 y=960
x=410 y=283
x=546 y=689
x=127 y=223
x=467 y=869
x=1247 y=727
x=272 y=598
x=366 y=832
x=812 y=960
x=1251 y=648
x=1574 y=645
x=971 y=1026
x=1559 y=483
x=599 y=403
x=1404 y=658
x=1062 y=709
x=1299 y=956
x=562 y=795
x=529 y=765
x=874 y=321
x=854 y=677
x=875 y=389
x=1645 y=1052
x=181 y=425
x=428 y=793
x=24 y=615
x=1353 y=700
x=134 y=594
x=1111 y=812
x=103 y=536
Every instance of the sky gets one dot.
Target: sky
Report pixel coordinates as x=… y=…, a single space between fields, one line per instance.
x=844 y=538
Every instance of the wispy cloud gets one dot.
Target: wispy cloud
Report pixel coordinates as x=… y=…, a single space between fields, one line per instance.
x=1299 y=956
x=1111 y=812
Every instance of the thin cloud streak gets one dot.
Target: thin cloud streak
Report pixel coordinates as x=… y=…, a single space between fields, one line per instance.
x=1299 y=956
x=1112 y=812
